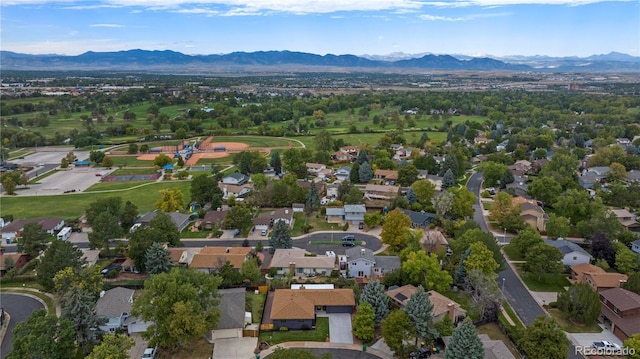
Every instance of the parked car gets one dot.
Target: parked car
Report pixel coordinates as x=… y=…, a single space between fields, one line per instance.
x=264 y=232
x=605 y=344
x=149 y=353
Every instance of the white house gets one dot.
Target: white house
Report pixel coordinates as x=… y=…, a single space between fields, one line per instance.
x=635 y=246
x=354 y=213
x=332 y=190
x=237 y=191
x=114 y=305
x=315 y=168
x=362 y=263
x=14 y=229
x=572 y=253
x=342 y=173
x=235 y=178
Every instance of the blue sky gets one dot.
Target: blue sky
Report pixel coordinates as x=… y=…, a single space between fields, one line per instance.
x=470 y=27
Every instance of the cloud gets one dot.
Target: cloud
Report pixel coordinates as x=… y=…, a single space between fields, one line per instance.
x=105 y=25
x=428 y=17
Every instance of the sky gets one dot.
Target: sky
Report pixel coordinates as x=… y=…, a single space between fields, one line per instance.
x=374 y=27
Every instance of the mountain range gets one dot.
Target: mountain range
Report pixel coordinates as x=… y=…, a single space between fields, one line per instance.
x=176 y=62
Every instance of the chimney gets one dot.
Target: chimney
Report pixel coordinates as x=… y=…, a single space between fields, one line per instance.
x=292 y=267
x=452 y=311
x=362 y=251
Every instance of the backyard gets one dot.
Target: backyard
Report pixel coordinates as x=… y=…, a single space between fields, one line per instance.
x=320 y=334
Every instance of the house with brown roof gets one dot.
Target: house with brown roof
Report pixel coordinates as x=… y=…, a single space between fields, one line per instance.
x=11 y=260
x=532 y=213
x=211 y=259
x=620 y=312
x=297 y=262
x=602 y=281
x=341 y=156
x=212 y=219
x=386 y=176
x=382 y=192
x=268 y=219
x=626 y=218
x=315 y=168
x=578 y=271
x=297 y=308
x=178 y=256
x=14 y=229
x=433 y=241
x=442 y=306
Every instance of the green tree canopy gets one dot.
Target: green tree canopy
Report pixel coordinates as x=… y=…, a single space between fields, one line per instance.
x=281 y=236
x=157 y=259
x=396 y=329
x=181 y=305
x=580 y=303
x=424 y=270
x=420 y=311
x=545 y=333
x=373 y=293
x=59 y=255
x=393 y=229
x=43 y=336
x=465 y=343
x=364 y=322
x=204 y=189
x=34 y=239
x=112 y=346
x=543 y=259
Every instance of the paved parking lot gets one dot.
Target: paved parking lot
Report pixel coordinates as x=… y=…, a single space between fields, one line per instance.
x=78 y=179
x=52 y=157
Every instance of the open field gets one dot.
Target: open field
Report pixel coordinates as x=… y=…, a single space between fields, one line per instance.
x=113 y=186
x=73 y=205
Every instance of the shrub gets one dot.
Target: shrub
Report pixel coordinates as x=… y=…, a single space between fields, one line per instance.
x=284 y=329
x=345 y=227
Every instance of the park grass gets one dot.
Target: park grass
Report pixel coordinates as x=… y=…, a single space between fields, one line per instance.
x=320 y=334
x=116 y=185
x=254 y=141
x=19 y=153
x=254 y=303
x=569 y=326
x=372 y=138
x=216 y=161
x=74 y=205
x=130 y=161
x=133 y=171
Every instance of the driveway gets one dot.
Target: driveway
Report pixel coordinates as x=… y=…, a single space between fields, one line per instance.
x=139 y=345
x=340 y=328
x=232 y=348
x=587 y=339
x=19 y=308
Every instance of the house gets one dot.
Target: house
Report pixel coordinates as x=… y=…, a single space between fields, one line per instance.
x=315 y=168
x=362 y=263
x=296 y=309
x=419 y=219
x=341 y=156
x=306 y=184
x=342 y=174
x=520 y=188
x=296 y=261
x=178 y=256
x=635 y=246
x=620 y=312
x=332 y=190
x=268 y=219
x=237 y=191
x=602 y=281
x=523 y=166
x=326 y=174
x=626 y=218
x=114 y=305
x=442 y=306
x=232 y=314
x=578 y=271
x=389 y=177
x=19 y=260
x=422 y=174
x=633 y=176
x=433 y=241
x=213 y=219
x=211 y=259
x=334 y=214
x=269 y=172
x=572 y=253
x=298 y=207
x=382 y=192
x=236 y=178
x=181 y=220
x=354 y=213
x=90 y=256
x=436 y=181
x=482 y=140
x=14 y=229
x=532 y=213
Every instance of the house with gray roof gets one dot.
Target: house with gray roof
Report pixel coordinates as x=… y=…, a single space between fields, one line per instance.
x=334 y=214
x=236 y=178
x=354 y=213
x=343 y=173
x=419 y=219
x=635 y=246
x=181 y=220
x=572 y=253
x=633 y=176
x=114 y=305
x=361 y=263
x=232 y=314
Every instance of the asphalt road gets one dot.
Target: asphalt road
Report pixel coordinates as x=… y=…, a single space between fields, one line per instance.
x=368 y=241
x=20 y=308
x=513 y=289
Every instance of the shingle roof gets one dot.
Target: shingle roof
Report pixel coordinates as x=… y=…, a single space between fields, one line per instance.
x=566 y=246
x=355 y=208
x=300 y=303
x=335 y=211
x=47 y=224
x=358 y=252
x=420 y=218
x=215 y=257
x=231 y=308
x=114 y=302
x=621 y=298
x=607 y=280
x=439 y=301
x=388 y=262
x=282 y=258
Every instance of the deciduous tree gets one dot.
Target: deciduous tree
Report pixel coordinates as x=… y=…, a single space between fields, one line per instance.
x=396 y=329
x=104 y=228
x=393 y=229
x=364 y=322
x=480 y=259
x=543 y=259
x=43 y=336
x=34 y=239
x=424 y=191
x=112 y=346
x=545 y=333
x=162 y=160
x=171 y=200
x=424 y=270
x=557 y=226
x=182 y=305
x=407 y=175
x=204 y=189
x=59 y=255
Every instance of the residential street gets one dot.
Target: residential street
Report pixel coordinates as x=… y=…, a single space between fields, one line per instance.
x=19 y=308
x=512 y=287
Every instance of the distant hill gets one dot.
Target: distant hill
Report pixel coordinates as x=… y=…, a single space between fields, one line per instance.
x=176 y=62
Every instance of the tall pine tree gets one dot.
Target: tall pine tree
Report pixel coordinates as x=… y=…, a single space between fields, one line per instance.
x=276 y=162
x=465 y=343
x=448 y=180
x=157 y=259
x=420 y=310
x=79 y=307
x=373 y=293
x=281 y=237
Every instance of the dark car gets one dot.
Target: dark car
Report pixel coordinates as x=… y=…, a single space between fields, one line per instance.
x=422 y=352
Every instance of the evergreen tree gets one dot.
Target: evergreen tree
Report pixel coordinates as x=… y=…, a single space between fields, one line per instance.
x=450 y=163
x=79 y=307
x=313 y=198
x=281 y=237
x=364 y=322
x=276 y=162
x=354 y=175
x=365 y=172
x=34 y=239
x=157 y=259
x=362 y=157
x=373 y=293
x=465 y=343
x=460 y=276
x=507 y=177
x=448 y=180
x=411 y=196
x=420 y=310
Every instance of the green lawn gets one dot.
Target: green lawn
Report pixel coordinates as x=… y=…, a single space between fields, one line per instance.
x=256 y=141
x=570 y=326
x=319 y=224
x=320 y=334
x=73 y=205
x=255 y=305
x=547 y=282
x=130 y=161
x=133 y=171
x=113 y=186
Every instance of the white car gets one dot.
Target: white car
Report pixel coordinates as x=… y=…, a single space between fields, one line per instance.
x=149 y=353
x=606 y=345
x=264 y=232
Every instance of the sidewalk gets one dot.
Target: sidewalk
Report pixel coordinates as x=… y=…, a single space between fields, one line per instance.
x=307 y=345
